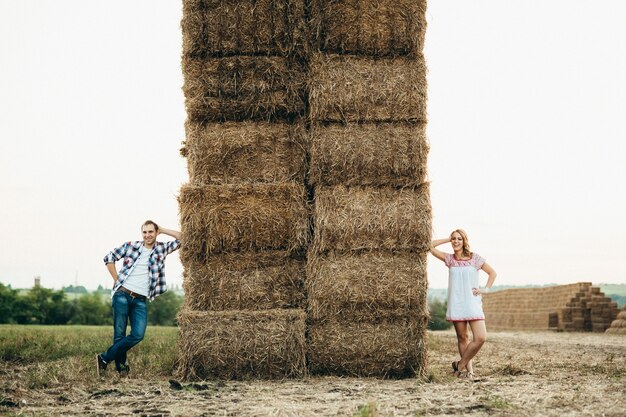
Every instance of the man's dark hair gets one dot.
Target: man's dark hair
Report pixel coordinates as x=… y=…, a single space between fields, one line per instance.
x=150 y=222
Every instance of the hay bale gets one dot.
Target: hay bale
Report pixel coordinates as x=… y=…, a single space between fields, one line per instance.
x=618 y=322
x=366 y=286
x=243 y=87
x=242 y=27
x=383 y=27
x=355 y=88
x=242 y=344
x=221 y=218
x=553 y=320
x=387 y=349
x=380 y=154
x=242 y=152
x=245 y=281
x=370 y=218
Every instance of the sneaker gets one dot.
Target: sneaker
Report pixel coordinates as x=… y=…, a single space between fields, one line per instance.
x=123 y=369
x=101 y=365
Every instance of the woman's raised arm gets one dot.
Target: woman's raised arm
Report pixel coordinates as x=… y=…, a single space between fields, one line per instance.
x=436 y=252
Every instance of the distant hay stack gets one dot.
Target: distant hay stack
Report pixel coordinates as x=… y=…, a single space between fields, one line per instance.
x=245 y=281
x=221 y=218
x=388 y=348
x=377 y=154
x=598 y=311
x=381 y=28
x=572 y=307
x=357 y=89
x=245 y=152
x=243 y=27
x=371 y=218
x=242 y=344
x=240 y=88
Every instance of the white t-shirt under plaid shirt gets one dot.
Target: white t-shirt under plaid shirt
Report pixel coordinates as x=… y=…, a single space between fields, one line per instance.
x=138 y=280
x=130 y=251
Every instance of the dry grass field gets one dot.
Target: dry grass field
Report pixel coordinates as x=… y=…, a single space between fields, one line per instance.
x=523 y=374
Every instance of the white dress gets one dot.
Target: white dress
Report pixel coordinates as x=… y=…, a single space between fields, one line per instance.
x=463 y=305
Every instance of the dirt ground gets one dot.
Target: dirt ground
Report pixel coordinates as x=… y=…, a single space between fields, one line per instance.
x=522 y=374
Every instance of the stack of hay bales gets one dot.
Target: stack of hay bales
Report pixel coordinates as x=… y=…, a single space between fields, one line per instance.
x=590 y=310
x=573 y=307
x=244 y=212
x=366 y=272
x=618 y=326
x=528 y=308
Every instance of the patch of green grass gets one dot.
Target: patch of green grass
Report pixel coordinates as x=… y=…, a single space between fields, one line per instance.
x=430 y=378
x=435 y=343
x=366 y=410
x=48 y=355
x=609 y=370
x=33 y=344
x=511 y=370
x=495 y=402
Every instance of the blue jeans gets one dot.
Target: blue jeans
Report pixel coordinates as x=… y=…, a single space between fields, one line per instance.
x=126 y=308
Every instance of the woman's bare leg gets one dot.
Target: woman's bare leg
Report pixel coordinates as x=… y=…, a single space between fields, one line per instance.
x=462 y=340
x=479 y=333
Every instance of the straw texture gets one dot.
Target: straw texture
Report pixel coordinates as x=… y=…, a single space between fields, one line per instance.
x=367 y=286
x=377 y=28
x=243 y=88
x=243 y=27
x=369 y=218
x=355 y=88
x=387 y=349
x=245 y=152
x=221 y=218
x=245 y=281
x=242 y=344
x=377 y=154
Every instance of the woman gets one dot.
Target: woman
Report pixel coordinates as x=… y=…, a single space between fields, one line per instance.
x=464 y=297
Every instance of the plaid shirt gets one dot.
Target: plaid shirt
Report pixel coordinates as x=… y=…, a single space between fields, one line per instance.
x=156 y=264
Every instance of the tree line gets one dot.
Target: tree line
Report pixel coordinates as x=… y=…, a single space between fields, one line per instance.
x=438 y=315
x=46 y=306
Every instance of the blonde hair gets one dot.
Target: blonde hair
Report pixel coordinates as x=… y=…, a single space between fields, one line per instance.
x=466 y=246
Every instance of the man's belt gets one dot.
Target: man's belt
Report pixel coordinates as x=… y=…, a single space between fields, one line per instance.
x=132 y=294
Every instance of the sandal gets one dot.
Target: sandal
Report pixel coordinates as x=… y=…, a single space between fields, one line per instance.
x=471 y=376
x=455 y=369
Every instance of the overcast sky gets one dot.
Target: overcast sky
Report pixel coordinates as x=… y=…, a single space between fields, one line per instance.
x=527 y=125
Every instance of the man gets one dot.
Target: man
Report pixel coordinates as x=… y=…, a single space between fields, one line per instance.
x=141 y=278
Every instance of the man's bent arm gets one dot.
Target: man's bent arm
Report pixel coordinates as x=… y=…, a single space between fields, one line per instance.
x=173 y=233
